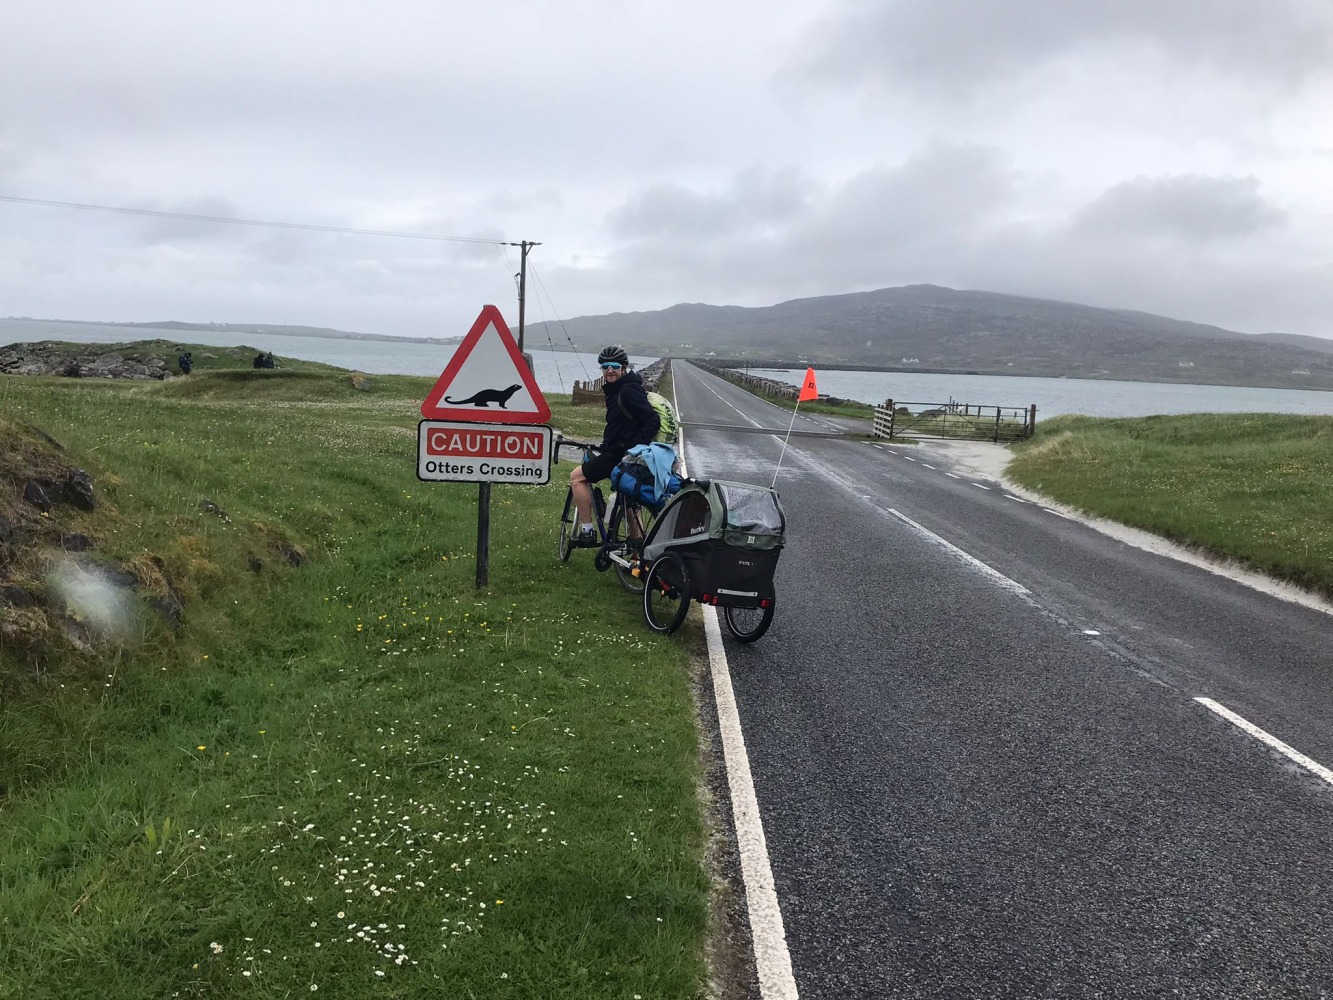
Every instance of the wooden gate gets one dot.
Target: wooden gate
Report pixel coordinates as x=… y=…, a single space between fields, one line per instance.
x=960 y=421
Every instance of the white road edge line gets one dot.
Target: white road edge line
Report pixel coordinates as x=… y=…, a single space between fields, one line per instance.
x=769 y=936
x=980 y=487
x=952 y=476
x=971 y=560
x=771 y=958
x=928 y=465
x=1314 y=767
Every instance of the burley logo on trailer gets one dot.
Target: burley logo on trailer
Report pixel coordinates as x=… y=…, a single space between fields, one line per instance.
x=487 y=379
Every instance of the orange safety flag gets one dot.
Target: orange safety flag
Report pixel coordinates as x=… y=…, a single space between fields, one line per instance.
x=808 y=390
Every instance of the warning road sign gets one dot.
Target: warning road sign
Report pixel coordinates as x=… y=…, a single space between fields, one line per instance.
x=487 y=379
x=483 y=453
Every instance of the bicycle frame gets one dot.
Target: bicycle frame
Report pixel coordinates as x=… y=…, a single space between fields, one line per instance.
x=608 y=517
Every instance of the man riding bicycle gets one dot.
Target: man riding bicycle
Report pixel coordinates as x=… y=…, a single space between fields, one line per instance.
x=630 y=420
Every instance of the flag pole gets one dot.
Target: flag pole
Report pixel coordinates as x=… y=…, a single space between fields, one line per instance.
x=784 y=443
x=808 y=391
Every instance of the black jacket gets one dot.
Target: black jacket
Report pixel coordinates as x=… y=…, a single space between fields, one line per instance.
x=630 y=418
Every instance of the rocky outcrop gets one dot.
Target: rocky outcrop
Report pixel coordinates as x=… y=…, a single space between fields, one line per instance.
x=50 y=358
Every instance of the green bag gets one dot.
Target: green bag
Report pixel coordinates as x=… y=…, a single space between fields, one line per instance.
x=669 y=427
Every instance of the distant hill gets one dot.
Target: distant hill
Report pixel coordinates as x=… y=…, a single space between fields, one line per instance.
x=256 y=329
x=930 y=328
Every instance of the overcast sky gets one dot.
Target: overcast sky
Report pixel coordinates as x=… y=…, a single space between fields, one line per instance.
x=1174 y=156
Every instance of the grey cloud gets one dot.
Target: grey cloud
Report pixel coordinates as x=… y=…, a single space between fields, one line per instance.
x=756 y=198
x=945 y=189
x=162 y=229
x=1190 y=207
x=957 y=46
x=955 y=215
x=943 y=194
x=884 y=225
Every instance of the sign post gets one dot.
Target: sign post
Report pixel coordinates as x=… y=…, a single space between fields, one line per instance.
x=477 y=423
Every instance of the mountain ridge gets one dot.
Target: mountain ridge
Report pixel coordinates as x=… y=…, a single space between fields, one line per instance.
x=933 y=327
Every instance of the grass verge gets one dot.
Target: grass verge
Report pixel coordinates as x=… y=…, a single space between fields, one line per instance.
x=339 y=769
x=1253 y=487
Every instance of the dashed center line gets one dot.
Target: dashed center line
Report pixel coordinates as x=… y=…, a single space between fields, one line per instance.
x=1007 y=496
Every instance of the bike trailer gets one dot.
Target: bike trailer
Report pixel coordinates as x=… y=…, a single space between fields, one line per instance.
x=728 y=535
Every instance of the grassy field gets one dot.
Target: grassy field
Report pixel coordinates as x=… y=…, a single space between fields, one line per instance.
x=1254 y=487
x=303 y=754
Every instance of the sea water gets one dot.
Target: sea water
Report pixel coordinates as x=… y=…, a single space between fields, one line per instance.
x=1054 y=396
x=556 y=371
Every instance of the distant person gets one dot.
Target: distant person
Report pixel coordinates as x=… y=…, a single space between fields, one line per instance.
x=268 y=361
x=186 y=362
x=630 y=420
x=259 y=360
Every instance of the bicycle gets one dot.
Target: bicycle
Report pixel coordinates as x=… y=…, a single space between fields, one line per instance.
x=620 y=526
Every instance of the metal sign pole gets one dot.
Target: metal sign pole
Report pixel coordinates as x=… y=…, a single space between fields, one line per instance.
x=483 y=534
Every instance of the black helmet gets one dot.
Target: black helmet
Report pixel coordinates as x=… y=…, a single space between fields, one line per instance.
x=614 y=353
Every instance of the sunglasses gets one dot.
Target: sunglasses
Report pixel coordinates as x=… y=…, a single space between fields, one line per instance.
x=611 y=366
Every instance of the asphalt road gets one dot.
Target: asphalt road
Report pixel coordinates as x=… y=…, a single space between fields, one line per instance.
x=978 y=757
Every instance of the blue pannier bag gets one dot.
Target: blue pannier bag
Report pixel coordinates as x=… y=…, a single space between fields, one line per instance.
x=646 y=474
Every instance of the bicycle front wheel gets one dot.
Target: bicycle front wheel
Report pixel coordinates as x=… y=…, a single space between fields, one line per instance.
x=632 y=577
x=568 y=518
x=666 y=593
x=748 y=624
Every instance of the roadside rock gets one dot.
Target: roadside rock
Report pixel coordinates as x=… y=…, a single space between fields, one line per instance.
x=76 y=543
x=17 y=597
x=36 y=495
x=78 y=489
x=49 y=358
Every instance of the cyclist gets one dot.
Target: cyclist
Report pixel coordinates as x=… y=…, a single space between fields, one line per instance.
x=630 y=420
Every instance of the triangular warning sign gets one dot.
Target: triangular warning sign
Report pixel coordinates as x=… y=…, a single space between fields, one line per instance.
x=486 y=379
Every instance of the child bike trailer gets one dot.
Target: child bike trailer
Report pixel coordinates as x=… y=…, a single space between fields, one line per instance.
x=718 y=543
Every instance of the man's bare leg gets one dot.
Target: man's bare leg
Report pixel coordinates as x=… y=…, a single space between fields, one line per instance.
x=582 y=495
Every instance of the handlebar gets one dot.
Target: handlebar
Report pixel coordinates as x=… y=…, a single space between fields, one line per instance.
x=586 y=446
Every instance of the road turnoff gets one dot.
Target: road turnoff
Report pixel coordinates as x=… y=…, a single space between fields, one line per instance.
x=996 y=753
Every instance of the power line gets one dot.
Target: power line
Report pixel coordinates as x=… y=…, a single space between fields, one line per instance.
x=253 y=222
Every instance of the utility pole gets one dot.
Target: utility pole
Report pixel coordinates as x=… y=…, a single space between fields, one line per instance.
x=523 y=246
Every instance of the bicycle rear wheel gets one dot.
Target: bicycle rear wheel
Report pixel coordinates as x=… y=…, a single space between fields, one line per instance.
x=565 y=544
x=748 y=624
x=666 y=593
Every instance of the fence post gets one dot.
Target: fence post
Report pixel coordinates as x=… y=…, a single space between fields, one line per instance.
x=996 y=438
x=1032 y=421
x=888 y=404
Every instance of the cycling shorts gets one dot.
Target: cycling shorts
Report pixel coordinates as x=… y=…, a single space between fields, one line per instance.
x=599 y=467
